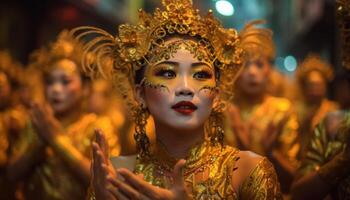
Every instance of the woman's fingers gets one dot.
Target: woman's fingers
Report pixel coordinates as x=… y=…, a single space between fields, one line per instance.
x=178 y=174
x=101 y=140
x=138 y=183
x=116 y=193
x=127 y=190
x=98 y=162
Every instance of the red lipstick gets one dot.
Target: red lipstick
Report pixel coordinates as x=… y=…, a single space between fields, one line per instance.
x=184 y=107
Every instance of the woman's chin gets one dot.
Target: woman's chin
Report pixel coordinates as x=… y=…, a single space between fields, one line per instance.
x=184 y=125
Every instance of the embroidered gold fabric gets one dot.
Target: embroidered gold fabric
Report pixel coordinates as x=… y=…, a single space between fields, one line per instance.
x=208 y=173
x=323 y=147
x=262 y=183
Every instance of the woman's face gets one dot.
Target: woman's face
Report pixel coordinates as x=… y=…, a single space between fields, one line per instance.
x=315 y=86
x=64 y=88
x=179 y=91
x=254 y=77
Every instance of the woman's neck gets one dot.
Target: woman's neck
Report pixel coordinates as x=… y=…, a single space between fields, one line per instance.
x=246 y=100
x=69 y=117
x=178 y=142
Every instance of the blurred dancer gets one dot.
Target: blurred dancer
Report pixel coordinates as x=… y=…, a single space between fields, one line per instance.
x=260 y=122
x=312 y=76
x=12 y=117
x=54 y=158
x=325 y=171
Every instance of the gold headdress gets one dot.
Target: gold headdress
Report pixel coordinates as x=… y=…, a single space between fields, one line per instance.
x=11 y=68
x=314 y=63
x=144 y=43
x=343 y=17
x=65 y=47
x=257 y=41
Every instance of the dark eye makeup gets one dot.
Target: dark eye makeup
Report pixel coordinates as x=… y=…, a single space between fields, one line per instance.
x=166 y=73
x=202 y=75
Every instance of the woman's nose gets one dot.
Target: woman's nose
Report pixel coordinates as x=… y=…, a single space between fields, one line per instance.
x=57 y=88
x=184 y=89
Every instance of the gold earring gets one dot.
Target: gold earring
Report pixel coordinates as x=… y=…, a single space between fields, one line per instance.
x=140 y=136
x=216 y=125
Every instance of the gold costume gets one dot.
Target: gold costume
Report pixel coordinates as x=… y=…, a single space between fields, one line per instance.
x=209 y=169
x=303 y=110
x=51 y=178
x=209 y=172
x=324 y=146
x=273 y=110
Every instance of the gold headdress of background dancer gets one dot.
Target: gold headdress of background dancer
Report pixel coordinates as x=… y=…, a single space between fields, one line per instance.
x=313 y=62
x=257 y=41
x=119 y=57
x=64 y=47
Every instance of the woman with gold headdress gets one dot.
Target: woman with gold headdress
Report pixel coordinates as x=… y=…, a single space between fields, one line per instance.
x=259 y=121
x=312 y=76
x=12 y=116
x=325 y=170
x=54 y=159
x=180 y=66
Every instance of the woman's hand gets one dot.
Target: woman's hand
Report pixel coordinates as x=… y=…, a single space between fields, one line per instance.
x=271 y=134
x=44 y=122
x=101 y=168
x=135 y=187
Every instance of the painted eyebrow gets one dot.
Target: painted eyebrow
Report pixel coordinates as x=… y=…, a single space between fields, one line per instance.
x=168 y=63
x=197 y=64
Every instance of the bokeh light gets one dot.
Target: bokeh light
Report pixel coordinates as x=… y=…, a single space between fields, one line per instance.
x=290 y=63
x=225 y=7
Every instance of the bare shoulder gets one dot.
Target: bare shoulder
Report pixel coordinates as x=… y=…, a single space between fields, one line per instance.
x=246 y=164
x=127 y=162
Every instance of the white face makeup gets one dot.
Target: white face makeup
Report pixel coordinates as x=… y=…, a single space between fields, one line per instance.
x=254 y=77
x=179 y=91
x=64 y=89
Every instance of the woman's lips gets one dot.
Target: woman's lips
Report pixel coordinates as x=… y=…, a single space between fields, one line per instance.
x=184 y=107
